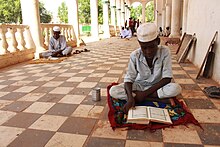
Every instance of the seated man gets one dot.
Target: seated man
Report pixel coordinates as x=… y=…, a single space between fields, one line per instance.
x=123 y=32
x=149 y=71
x=128 y=33
x=57 y=45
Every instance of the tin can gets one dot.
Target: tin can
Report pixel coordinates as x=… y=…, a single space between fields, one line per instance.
x=96 y=94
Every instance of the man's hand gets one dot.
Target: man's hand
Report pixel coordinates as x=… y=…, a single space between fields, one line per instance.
x=130 y=103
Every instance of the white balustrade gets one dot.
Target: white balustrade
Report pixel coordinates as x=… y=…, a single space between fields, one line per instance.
x=13 y=45
x=21 y=43
x=4 y=44
x=66 y=30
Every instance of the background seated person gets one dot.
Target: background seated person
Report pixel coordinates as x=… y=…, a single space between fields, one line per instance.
x=57 y=45
x=128 y=33
x=149 y=71
x=123 y=32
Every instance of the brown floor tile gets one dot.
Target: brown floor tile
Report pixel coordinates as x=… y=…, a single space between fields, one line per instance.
x=12 y=96
x=69 y=84
x=43 y=89
x=22 y=120
x=92 y=79
x=210 y=135
x=7 y=82
x=88 y=101
x=33 y=138
x=18 y=106
x=104 y=142
x=82 y=74
x=190 y=87
x=145 y=135
x=32 y=78
x=60 y=79
x=77 y=125
x=199 y=104
x=180 y=76
x=37 y=83
x=80 y=91
x=10 y=88
x=181 y=145
x=51 y=98
x=62 y=109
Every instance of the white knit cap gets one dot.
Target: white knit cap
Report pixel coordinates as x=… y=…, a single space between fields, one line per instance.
x=56 y=29
x=147 y=32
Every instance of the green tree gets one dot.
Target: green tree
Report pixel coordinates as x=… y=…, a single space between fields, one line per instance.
x=63 y=12
x=45 y=16
x=136 y=12
x=150 y=12
x=10 y=11
x=84 y=11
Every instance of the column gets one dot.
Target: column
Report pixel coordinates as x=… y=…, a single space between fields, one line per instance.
x=105 y=19
x=185 y=14
x=31 y=17
x=143 y=12
x=118 y=7
x=168 y=13
x=94 y=19
x=113 y=8
x=163 y=15
x=122 y=13
x=73 y=18
x=175 y=23
x=158 y=14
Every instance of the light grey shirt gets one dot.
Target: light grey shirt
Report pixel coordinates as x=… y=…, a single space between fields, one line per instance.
x=140 y=73
x=59 y=44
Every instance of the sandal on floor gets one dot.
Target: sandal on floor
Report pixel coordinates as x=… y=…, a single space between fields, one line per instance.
x=212 y=91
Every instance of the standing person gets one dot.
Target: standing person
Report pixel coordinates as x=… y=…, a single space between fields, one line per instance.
x=149 y=71
x=131 y=23
x=57 y=45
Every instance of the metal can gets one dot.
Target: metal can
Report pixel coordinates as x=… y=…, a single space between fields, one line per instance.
x=96 y=94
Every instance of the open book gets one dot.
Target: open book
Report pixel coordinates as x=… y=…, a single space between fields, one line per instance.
x=145 y=114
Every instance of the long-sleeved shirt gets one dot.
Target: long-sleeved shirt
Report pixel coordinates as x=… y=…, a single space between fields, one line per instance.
x=59 y=44
x=139 y=71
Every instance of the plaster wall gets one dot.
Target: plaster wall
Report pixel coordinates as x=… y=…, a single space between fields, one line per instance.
x=204 y=19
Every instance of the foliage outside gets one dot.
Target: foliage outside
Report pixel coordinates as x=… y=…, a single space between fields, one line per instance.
x=10 y=12
x=136 y=13
x=63 y=12
x=84 y=12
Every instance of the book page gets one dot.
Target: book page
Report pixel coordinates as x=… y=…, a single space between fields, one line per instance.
x=159 y=115
x=138 y=113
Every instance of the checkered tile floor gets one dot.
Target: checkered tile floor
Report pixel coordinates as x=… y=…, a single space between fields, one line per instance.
x=50 y=104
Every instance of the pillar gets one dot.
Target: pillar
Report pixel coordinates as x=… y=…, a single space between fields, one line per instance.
x=175 y=23
x=31 y=17
x=168 y=13
x=94 y=19
x=143 y=12
x=73 y=18
x=185 y=13
x=163 y=15
x=106 y=19
x=113 y=8
x=158 y=13
x=118 y=7
x=122 y=13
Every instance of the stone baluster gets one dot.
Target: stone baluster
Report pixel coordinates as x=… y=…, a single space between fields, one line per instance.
x=21 y=44
x=14 y=43
x=69 y=33
x=4 y=44
x=51 y=31
x=28 y=38
x=65 y=33
x=46 y=38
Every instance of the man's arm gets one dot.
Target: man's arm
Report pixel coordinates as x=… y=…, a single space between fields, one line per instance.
x=152 y=91
x=130 y=102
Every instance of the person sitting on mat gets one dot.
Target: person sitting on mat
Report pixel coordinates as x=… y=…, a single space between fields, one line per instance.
x=57 y=45
x=149 y=71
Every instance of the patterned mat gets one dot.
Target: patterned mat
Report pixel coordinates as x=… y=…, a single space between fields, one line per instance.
x=179 y=114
